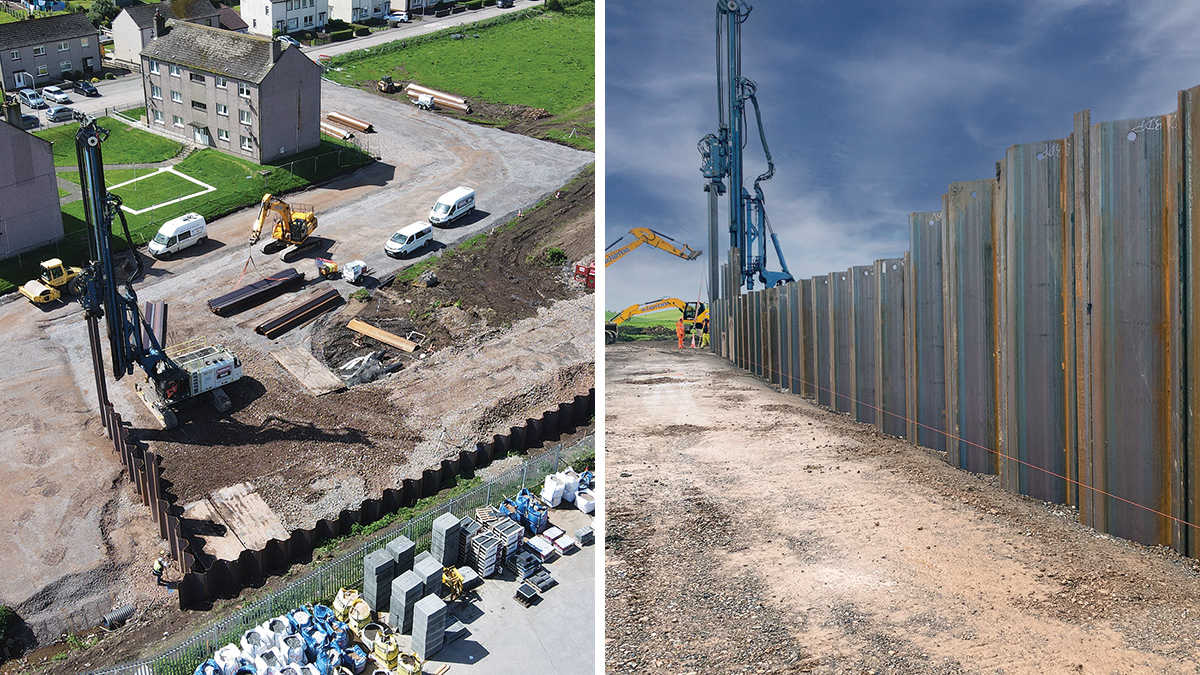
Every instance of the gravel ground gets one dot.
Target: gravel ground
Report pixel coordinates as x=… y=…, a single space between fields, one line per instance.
x=749 y=531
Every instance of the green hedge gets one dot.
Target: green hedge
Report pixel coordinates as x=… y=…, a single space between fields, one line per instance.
x=362 y=31
x=336 y=24
x=341 y=35
x=473 y=4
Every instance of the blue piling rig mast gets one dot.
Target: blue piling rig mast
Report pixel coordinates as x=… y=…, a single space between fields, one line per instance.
x=101 y=296
x=170 y=381
x=721 y=158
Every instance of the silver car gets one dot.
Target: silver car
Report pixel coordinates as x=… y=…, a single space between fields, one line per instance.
x=31 y=98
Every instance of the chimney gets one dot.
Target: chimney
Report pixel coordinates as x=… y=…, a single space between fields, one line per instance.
x=160 y=24
x=276 y=49
x=12 y=111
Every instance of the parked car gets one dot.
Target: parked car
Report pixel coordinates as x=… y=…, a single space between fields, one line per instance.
x=55 y=95
x=31 y=98
x=290 y=41
x=60 y=113
x=29 y=121
x=86 y=88
x=402 y=17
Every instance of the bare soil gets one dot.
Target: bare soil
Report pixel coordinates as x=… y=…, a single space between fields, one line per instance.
x=749 y=531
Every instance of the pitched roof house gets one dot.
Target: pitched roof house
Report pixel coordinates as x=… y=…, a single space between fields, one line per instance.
x=38 y=52
x=240 y=93
x=134 y=26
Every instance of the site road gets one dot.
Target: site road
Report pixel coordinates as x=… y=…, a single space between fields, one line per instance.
x=750 y=531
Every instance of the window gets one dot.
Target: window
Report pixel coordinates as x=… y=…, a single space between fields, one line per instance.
x=246 y=144
x=195 y=77
x=64 y=46
x=308 y=21
x=158 y=116
x=221 y=83
x=177 y=120
x=42 y=71
x=174 y=69
x=255 y=22
x=243 y=90
x=154 y=67
x=65 y=66
x=293 y=24
x=222 y=109
x=16 y=55
x=176 y=97
x=156 y=91
x=199 y=105
x=83 y=42
x=244 y=116
x=39 y=51
x=222 y=135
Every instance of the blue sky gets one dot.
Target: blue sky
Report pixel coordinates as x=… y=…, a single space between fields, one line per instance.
x=871 y=109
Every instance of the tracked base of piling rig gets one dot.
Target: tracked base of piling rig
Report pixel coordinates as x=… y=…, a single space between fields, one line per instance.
x=165 y=415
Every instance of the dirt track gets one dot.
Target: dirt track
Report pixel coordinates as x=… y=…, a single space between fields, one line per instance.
x=750 y=531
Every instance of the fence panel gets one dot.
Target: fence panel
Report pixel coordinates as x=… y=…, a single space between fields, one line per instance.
x=862 y=342
x=890 y=384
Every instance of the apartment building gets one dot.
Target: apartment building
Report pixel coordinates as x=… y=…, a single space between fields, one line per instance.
x=38 y=52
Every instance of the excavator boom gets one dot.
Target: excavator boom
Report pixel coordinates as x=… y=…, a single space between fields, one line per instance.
x=645 y=235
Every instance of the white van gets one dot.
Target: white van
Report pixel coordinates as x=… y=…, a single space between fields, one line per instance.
x=455 y=203
x=179 y=233
x=408 y=239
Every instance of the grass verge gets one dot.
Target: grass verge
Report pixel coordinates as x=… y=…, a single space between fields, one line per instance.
x=125 y=145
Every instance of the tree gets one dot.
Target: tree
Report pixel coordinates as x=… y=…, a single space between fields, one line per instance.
x=103 y=12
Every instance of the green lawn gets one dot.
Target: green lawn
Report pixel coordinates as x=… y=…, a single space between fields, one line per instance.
x=543 y=60
x=136 y=113
x=125 y=145
x=111 y=176
x=239 y=183
x=5 y=17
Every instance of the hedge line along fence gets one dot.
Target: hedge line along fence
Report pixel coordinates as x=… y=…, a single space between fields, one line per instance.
x=1043 y=326
x=321 y=585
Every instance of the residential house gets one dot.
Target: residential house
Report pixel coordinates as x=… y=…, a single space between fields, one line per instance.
x=231 y=20
x=354 y=11
x=133 y=28
x=38 y=52
x=285 y=16
x=240 y=93
x=30 y=215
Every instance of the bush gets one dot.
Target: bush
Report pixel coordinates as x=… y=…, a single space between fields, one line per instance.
x=306 y=36
x=6 y=620
x=95 y=80
x=554 y=5
x=341 y=35
x=361 y=31
x=488 y=3
x=473 y=4
x=109 y=76
x=361 y=295
x=554 y=256
x=336 y=25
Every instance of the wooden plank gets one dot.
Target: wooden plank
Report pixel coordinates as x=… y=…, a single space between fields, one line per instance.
x=381 y=335
x=248 y=516
x=305 y=368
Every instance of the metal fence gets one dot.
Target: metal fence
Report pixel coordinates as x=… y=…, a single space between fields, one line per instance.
x=322 y=584
x=1042 y=326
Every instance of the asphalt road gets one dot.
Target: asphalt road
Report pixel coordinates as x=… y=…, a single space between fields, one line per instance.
x=126 y=92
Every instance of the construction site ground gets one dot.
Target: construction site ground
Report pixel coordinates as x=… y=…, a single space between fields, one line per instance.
x=749 y=531
x=74 y=540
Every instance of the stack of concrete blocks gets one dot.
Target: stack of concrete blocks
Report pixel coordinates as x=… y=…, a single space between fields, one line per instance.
x=430 y=571
x=429 y=626
x=485 y=553
x=467 y=528
x=445 y=539
x=378 y=572
x=402 y=551
x=407 y=589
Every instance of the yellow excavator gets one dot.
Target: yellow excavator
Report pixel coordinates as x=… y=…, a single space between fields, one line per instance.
x=694 y=313
x=645 y=235
x=292 y=227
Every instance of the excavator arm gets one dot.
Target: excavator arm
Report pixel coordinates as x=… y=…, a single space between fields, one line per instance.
x=693 y=313
x=645 y=235
x=270 y=204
